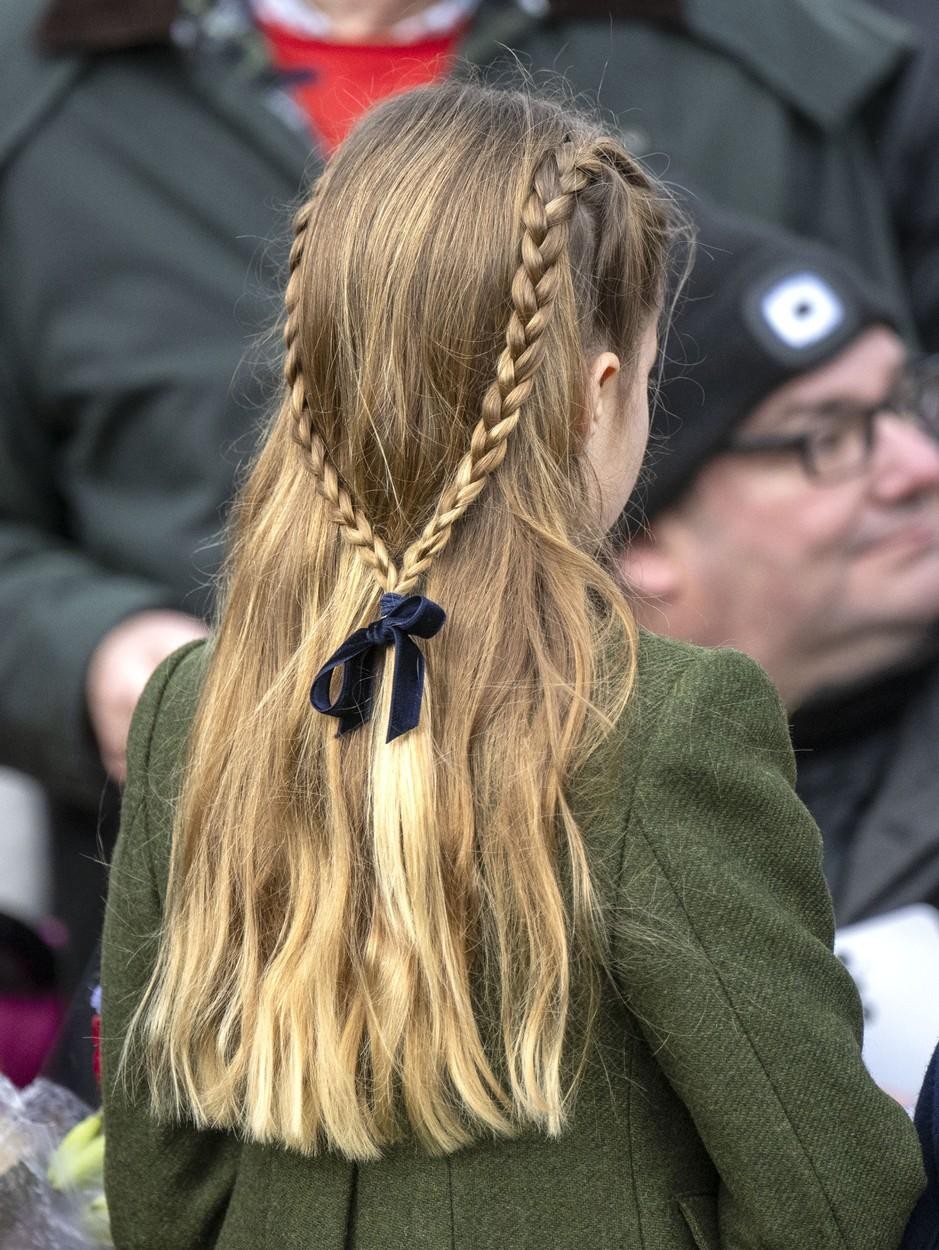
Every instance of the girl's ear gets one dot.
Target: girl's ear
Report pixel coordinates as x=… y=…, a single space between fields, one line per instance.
x=603 y=390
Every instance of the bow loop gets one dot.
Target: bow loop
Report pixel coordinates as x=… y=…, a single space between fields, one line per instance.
x=401 y=616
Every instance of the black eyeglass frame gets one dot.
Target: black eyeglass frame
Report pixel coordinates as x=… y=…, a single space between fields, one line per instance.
x=906 y=400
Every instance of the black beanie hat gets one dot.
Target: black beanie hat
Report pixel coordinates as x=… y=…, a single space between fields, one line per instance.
x=760 y=307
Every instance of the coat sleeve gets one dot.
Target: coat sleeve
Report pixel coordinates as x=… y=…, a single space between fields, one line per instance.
x=723 y=948
x=167 y=1186
x=56 y=603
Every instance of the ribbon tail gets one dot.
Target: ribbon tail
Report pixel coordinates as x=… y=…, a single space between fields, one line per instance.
x=407 y=687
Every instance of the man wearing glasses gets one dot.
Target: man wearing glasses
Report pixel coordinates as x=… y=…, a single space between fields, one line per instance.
x=792 y=506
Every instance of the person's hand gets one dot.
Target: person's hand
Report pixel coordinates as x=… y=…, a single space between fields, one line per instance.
x=120 y=668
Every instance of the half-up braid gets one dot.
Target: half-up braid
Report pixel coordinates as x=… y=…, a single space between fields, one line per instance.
x=351 y=521
x=369 y=940
x=545 y=220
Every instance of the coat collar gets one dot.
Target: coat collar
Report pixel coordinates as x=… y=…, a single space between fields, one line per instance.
x=826 y=61
x=107 y=25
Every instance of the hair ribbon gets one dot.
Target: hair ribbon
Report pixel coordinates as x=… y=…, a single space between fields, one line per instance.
x=401 y=618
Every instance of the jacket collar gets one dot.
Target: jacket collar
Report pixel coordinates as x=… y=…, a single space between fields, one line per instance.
x=824 y=60
x=108 y=25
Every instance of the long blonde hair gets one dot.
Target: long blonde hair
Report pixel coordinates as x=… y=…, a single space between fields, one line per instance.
x=363 y=937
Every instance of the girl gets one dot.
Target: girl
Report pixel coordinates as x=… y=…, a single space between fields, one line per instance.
x=515 y=935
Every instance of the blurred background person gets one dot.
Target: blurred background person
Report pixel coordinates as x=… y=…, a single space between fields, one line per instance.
x=147 y=151
x=792 y=498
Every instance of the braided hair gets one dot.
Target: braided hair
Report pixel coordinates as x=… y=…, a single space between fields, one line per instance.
x=561 y=175
x=367 y=938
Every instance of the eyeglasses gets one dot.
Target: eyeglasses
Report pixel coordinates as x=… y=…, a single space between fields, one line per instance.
x=840 y=441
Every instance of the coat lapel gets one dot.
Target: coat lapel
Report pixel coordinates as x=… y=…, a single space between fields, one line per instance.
x=227 y=63
x=824 y=59
x=263 y=114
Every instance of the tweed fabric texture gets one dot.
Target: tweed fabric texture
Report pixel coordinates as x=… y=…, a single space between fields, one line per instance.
x=725 y=1104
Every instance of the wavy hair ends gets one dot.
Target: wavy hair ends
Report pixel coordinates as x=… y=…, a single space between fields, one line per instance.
x=365 y=940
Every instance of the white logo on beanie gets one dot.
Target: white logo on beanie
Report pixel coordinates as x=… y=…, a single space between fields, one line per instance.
x=802 y=309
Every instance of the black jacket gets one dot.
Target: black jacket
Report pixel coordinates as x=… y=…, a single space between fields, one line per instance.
x=868 y=770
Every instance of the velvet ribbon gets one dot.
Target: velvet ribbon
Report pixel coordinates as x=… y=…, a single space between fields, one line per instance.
x=402 y=617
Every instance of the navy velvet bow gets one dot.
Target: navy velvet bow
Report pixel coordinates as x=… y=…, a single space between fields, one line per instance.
x=401 y=616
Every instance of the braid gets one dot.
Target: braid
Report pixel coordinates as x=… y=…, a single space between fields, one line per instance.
x=351 y=521
x=545 y=226
x=546 y=218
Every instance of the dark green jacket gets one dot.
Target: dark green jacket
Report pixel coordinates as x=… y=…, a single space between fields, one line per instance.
x=141 y=187
x=725 y=1106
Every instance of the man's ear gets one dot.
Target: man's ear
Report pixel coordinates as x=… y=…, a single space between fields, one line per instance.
x=650 y=567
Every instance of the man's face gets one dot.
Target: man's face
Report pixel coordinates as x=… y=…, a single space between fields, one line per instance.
x=821 y=581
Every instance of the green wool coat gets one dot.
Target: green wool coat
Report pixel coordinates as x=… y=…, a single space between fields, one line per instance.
x=725 y=1106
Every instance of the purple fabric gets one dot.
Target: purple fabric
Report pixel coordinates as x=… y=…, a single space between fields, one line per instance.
x=28 y=1026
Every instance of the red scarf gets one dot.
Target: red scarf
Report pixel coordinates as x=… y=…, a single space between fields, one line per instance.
x=345 y=79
